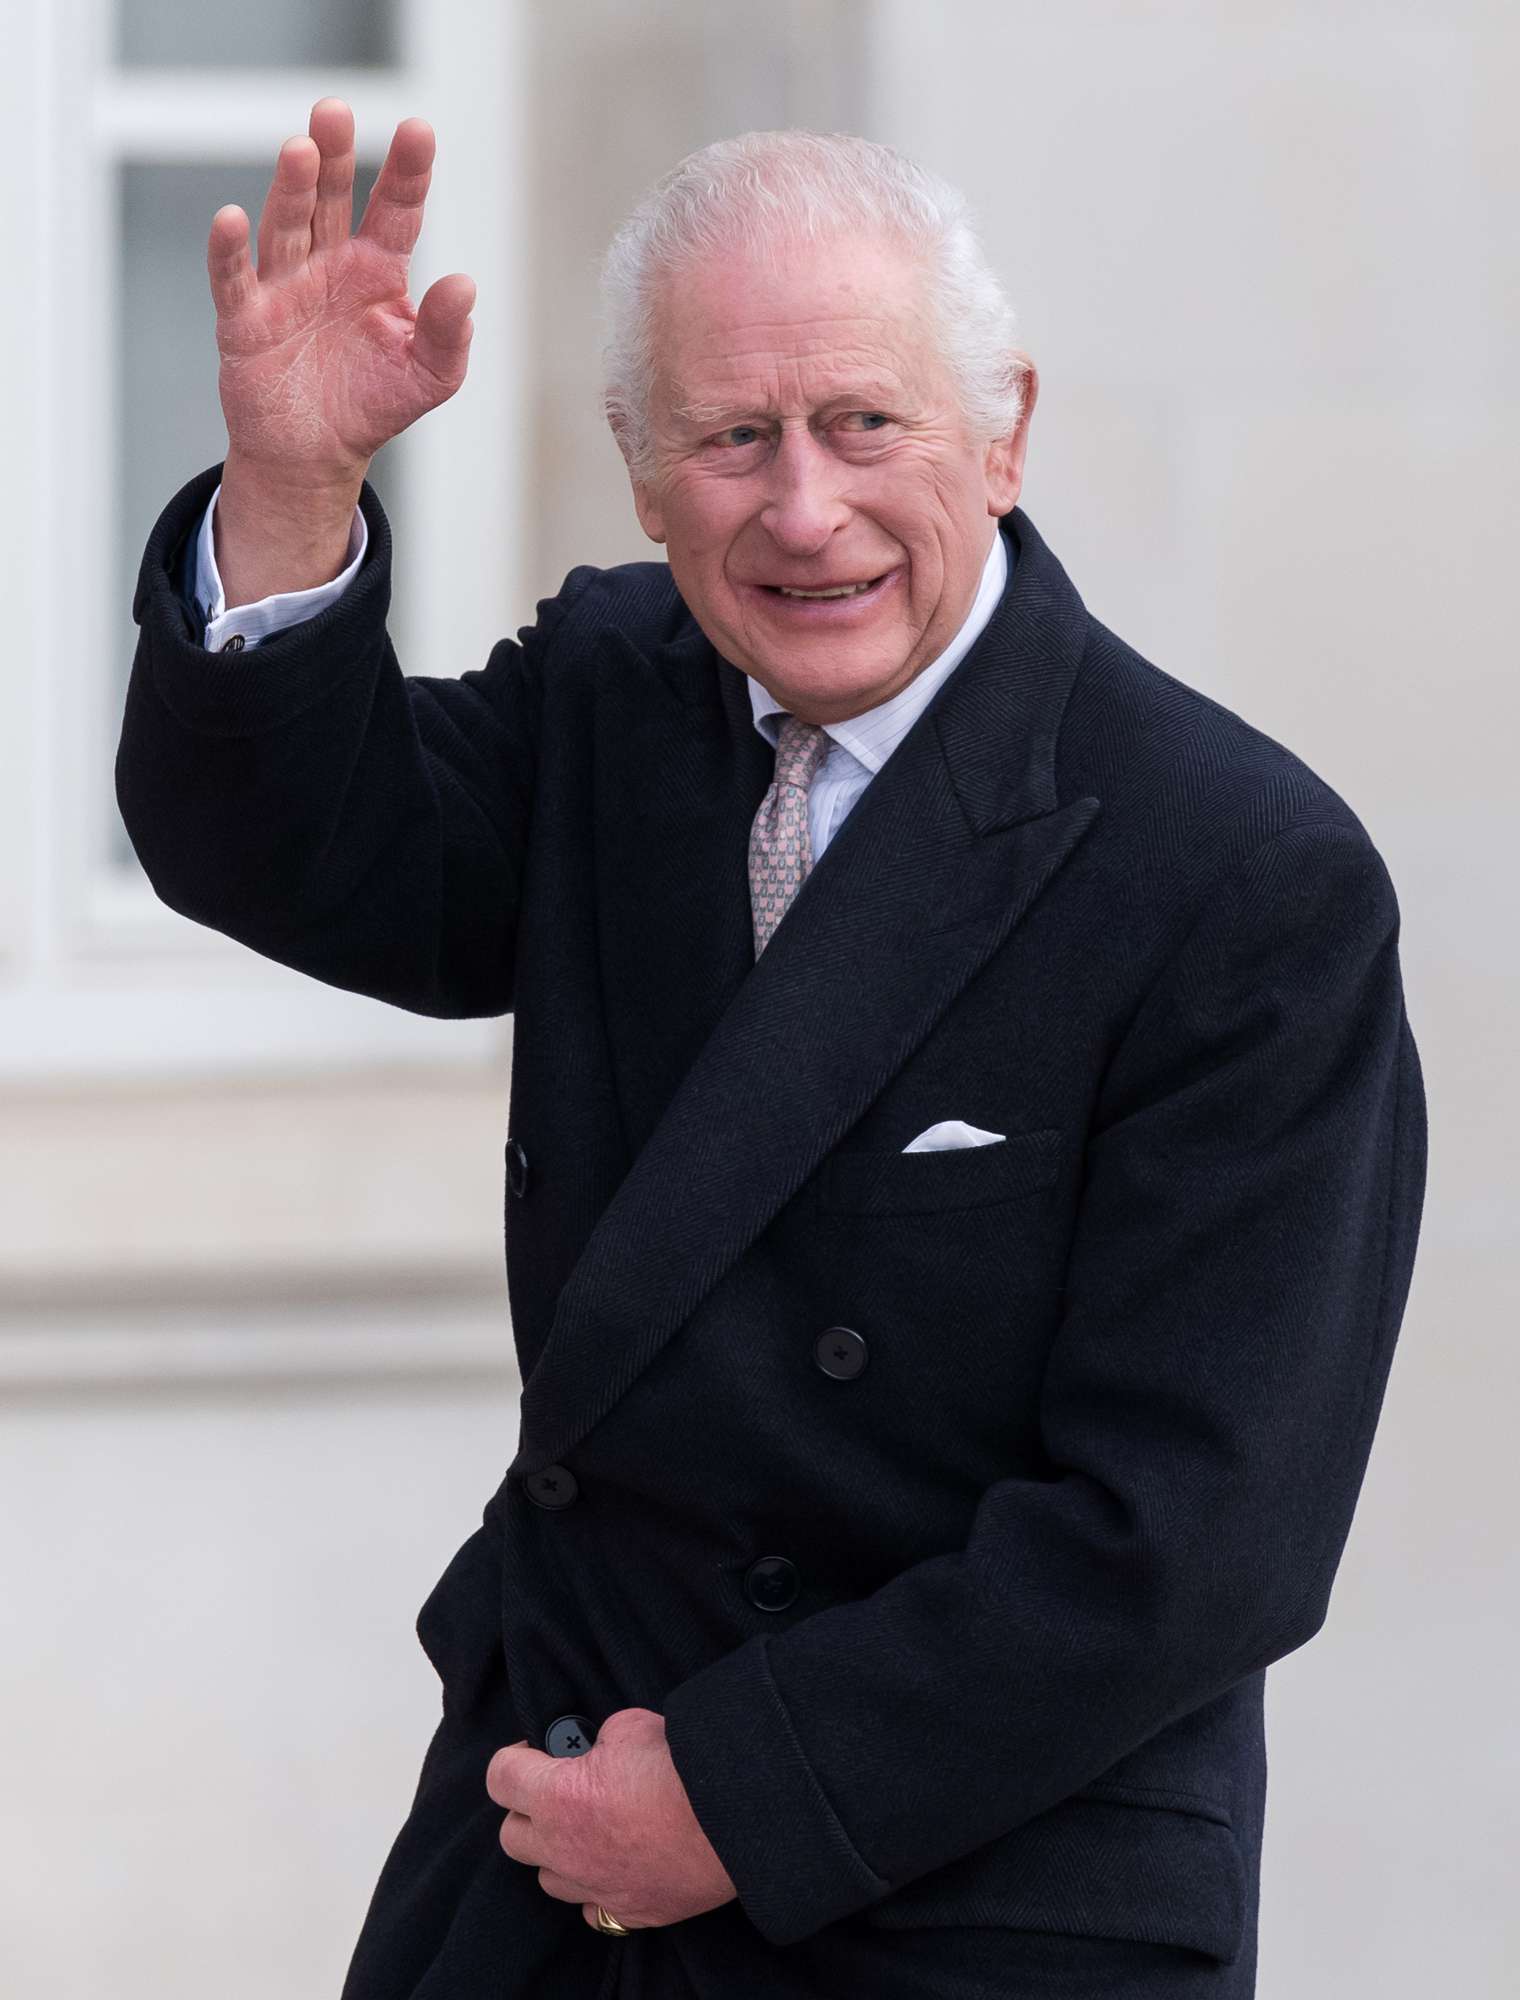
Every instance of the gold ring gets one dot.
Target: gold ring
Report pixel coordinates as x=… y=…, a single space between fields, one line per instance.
x=610 y=1924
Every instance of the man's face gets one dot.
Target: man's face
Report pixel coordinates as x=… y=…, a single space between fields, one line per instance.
x=807 y=437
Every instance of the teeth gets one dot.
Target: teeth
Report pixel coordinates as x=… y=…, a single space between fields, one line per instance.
x=844 y=590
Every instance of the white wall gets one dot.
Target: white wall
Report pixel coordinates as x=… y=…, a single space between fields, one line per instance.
x=213 y=1706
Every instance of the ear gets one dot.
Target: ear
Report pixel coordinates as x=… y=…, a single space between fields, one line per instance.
x=645 y=503
x=647 y=506
x=1005 y=456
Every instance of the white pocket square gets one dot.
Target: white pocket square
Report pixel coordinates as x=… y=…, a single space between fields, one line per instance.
x=951 y=1132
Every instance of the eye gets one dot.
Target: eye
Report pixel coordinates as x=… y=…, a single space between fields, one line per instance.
x=737 y=436
x=866 y=420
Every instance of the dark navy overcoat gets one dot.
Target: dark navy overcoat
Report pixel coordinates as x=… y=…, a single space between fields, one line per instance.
x=949 y=1506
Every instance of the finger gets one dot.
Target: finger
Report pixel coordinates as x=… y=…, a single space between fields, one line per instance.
x=443 y=330
x=332 y=128
x=233 y=284
x=588 y=1910
x=502 y=1783
x=285 y=224
x=566 y=1889
x=520 y=1839
x=393 y=213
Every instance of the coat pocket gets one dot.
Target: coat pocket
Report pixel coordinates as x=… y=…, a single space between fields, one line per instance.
x=917 y=1183
x=1094 y=1868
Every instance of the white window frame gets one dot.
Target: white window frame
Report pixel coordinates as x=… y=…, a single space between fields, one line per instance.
x=96 y=975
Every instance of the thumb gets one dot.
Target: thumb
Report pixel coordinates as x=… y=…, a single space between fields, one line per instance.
x=441 y=336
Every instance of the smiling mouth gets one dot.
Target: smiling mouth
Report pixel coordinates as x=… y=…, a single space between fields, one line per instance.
x=830 y=590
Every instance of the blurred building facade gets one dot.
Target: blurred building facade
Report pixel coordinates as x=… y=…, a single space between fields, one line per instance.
x=250 y=1234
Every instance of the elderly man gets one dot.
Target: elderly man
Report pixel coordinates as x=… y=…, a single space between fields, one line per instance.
x=966 y=1143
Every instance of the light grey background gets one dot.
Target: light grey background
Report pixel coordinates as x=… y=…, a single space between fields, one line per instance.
x=274 y=33
x=1264 y=260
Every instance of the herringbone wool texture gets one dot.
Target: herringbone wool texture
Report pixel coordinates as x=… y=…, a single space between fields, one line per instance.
x=780 y=845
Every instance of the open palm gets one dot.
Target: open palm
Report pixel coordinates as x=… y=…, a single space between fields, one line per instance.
x=324 y=357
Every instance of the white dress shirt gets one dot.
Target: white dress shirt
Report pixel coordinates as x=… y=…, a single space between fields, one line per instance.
x=252 y=622
x=858 y=747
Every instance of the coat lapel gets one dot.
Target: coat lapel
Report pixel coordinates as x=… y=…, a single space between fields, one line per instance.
x=737 y=1076
x=680 y=773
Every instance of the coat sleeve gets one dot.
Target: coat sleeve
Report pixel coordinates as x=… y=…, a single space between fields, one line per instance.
x=1243 y=1249
x=308 y=799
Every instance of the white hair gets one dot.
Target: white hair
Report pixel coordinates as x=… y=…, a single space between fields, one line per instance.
x=759 y=191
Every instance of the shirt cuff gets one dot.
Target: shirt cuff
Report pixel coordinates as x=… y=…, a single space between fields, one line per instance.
x=249 y=623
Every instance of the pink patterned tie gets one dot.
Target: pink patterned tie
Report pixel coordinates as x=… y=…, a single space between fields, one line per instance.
x=780 y=846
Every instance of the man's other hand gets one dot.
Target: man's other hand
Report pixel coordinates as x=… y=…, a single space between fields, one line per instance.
x=613 y=1827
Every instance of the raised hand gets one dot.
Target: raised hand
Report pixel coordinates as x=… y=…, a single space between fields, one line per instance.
x=324 y=357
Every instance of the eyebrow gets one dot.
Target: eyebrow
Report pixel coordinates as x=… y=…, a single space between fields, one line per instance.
x=713 y=416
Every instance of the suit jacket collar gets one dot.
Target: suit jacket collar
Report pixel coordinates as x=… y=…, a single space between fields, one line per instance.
x=736 y=1077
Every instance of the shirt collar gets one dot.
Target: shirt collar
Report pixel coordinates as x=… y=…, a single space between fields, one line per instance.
x=872 y=736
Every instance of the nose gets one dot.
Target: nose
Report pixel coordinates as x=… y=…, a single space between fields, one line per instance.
x=806 y=503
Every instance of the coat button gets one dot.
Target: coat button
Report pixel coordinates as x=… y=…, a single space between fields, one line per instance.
x=555 y=1486
x=517 y=1168
x=771 y=1582
x=840 y=1352
x=569 y=1736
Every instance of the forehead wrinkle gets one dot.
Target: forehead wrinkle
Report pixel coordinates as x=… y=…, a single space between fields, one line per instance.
x=747 y=346
x=790 y=324
x=759 y=384
x=712 y=328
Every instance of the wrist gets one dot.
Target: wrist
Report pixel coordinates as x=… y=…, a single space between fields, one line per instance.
x=280 y=528
x=288 y=478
